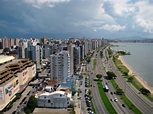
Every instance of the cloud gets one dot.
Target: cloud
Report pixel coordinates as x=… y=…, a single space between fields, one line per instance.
x=144 y=18
x=112 y=28
x=41 y=3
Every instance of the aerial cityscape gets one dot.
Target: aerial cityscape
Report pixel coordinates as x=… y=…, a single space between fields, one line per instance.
x=76 y=57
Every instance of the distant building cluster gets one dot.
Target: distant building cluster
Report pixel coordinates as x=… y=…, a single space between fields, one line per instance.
x=22 y=59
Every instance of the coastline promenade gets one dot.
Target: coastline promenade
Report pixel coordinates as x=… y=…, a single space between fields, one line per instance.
x=138 y=78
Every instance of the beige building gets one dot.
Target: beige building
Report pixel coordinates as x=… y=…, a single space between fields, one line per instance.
x=14 y=73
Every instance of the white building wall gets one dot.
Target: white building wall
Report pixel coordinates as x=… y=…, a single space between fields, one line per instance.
x=60 y=66
x=54 y=101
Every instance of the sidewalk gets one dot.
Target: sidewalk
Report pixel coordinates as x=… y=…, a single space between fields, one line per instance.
x=17 y=103
x=77 y=102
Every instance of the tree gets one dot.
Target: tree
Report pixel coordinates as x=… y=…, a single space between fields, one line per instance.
x=6 y=50
x=144 y=91
x=111 y=75
x=130 y=79
x=125 y=73
x=32 y=103
x=99 y=76
x=119 y=91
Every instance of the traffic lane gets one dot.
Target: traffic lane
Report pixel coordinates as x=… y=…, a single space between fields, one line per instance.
x=97 y=101
x=116 y=105
x=99 y=106
x=131 y=94
x=83 y=103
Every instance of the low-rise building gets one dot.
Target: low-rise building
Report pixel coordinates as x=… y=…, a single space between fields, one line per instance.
x=57 y=99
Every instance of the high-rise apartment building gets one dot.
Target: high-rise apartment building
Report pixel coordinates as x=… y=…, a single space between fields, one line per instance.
x=71 y=53
x=76 y=58
x=35 y=53
x=60 y=66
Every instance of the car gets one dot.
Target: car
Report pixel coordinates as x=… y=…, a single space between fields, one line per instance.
x=90 y=112
x=89 y=108
x=88 y=101
x=123 y=105
x=14 y=112
x=111 y=100
x=115 y=99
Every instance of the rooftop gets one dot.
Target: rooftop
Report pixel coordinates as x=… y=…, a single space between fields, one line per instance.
x=4 y=58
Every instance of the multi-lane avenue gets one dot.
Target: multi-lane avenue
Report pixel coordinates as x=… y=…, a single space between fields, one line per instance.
x=136 y=98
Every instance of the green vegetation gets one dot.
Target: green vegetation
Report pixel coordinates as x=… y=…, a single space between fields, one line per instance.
x=125 y=99
x=73 y=92
x=101 y=54
x=120 y=66
x=99 y=76
x=144 y=91
x=123 y=53
x=95 y=63
x=88 y=59
x=93 y=108
x=111 y=75
x=110 y=52
x=32 y=103
x=9 y=106
x=131 y=79
x=72 y=107
x=105 y=99
x=119 y=91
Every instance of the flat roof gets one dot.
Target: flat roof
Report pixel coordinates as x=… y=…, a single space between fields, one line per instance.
x=5 y=58
x=56 y=92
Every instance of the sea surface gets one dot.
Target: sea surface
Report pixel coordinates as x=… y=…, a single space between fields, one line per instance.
x=140 y=60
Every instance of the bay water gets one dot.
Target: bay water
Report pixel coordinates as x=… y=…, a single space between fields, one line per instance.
x=140 y=60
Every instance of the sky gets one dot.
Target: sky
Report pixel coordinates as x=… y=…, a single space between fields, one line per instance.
x=76 y=18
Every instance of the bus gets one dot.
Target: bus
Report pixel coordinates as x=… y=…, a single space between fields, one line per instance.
x=106 y=88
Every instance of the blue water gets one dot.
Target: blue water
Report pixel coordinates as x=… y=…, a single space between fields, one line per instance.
x=141 y=59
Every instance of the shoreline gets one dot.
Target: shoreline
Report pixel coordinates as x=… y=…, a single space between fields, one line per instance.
x=138 y=78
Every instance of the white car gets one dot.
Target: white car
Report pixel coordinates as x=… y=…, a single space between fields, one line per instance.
x=115 y=99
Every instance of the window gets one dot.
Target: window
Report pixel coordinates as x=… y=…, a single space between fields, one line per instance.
x=48 y=101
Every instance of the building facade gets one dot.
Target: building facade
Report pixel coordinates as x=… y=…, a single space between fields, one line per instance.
x=14 y=73
x=60 y=66
x=57 y=99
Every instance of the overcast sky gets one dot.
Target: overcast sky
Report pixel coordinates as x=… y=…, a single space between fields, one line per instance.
x=76 y=18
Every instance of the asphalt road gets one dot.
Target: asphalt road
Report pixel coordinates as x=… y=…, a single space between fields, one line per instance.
x=117 y=105
x=130 y=93
x=96 y=98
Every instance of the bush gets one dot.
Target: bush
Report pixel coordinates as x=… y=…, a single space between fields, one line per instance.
x=144 y=91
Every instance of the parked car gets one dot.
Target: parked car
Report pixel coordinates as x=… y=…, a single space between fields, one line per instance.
x=123 y=105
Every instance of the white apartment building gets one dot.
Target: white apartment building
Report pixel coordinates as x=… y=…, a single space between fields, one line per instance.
x=71 y=53
x=47 y=50
x=60 y=66
x=57 y=99
x=35 y=53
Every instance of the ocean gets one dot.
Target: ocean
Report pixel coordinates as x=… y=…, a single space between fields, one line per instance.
x=140 y=60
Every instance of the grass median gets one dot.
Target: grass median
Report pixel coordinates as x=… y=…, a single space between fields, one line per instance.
x=95 y=63
x=134 y=82
x=105 y=99
x=128 y=103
